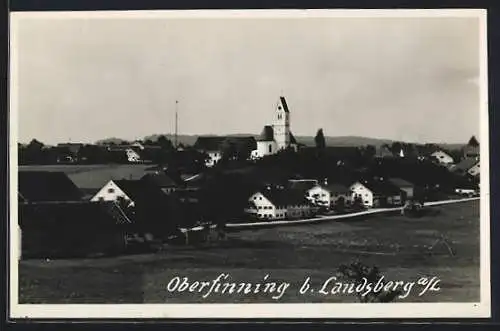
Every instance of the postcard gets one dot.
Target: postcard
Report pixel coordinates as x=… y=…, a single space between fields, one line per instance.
x=249 y=164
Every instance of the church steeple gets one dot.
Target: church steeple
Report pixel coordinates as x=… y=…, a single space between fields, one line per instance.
x=281 y=124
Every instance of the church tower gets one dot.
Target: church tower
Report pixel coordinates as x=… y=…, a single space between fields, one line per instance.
x=281 y=124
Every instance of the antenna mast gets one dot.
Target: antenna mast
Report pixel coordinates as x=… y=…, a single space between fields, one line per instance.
x=176 y=120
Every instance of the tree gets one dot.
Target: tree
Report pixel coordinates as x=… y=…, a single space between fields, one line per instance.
x=320 y=140
x=358 y=273
x=370 y=151
x=396 y=147
x=165 y=143
x=473 y=142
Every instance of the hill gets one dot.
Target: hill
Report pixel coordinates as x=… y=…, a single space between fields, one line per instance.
x=307 y=140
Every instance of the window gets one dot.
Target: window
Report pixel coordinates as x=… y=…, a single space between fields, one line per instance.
x=366 y=202
x=259 y=215
x=101 y=199
x=111 y=190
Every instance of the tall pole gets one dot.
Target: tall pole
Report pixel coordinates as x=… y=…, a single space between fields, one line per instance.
x=176 y=120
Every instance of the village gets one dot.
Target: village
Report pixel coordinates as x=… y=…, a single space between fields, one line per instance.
x=143 y=195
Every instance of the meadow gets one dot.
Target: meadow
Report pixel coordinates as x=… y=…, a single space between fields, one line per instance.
x=399 y=245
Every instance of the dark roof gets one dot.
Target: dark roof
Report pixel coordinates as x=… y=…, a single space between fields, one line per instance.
x=47 y=186
x=292 y=139
x=209 y=143
x=465 y=164
x=160 y=180
x=285 y=197
x=141 y=191
x=399 y=182
x=267 y=133
x=70 y=212
x=285 y=105
x=218 y=143
x=302 y=184
x=380 y=186
x=337 y=188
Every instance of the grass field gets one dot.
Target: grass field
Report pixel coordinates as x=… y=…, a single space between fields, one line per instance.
x=398 y=245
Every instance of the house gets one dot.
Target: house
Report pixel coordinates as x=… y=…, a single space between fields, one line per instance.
x=376 y=192
x=442 y=157
x=40 y=186
x=471 y=150
x=161 y=180
x=406 y=187
x=274 y=203
x=468 y=166
x=68 y=152
x=153 y=211
x=340 y=195
x=318 y=196
x=132 y=191
x=217 y=147
x=383 y=152
x=124 y=152
x=277 y=136
x=72 y=229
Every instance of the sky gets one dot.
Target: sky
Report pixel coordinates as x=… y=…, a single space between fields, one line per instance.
x=408 y=79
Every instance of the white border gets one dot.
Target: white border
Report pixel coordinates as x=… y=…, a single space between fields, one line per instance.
x=481 y=309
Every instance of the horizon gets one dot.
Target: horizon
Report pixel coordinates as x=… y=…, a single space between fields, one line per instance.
x=398 y=79
x=171 y=135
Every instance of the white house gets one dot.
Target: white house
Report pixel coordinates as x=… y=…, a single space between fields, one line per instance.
x=213 y=158
x=319 y=196
x=442 y=157
x=132 y=156
x=111 y=192
x=360 y=191
x=261 y=207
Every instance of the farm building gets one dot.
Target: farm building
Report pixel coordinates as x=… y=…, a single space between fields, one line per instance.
x=72 y=229
x=274 y=203
x=468 y=166
x=153 y=210
x=161 y=180
x=406 y=187
x=38 y=186
x=91 y=178
x=442 y=157
x=340 y=195
x=376 y=192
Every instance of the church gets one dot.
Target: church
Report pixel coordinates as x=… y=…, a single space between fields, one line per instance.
x=276 y=137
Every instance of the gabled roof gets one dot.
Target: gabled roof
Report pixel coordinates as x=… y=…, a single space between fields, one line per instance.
x=160 y=180
x=380 y=186
x=140 y=191
x=105 y=213
x=399 y=182
x=285 y=197
x=209 y=143
x=36 y=186
x=267 y=133
x=284 y=104
x=465 y=164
